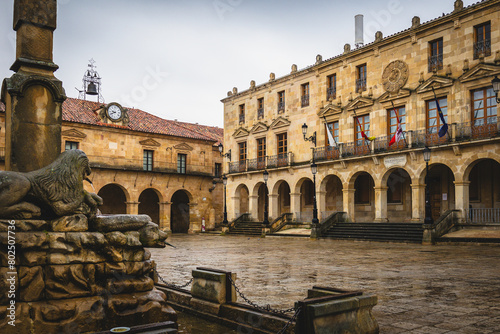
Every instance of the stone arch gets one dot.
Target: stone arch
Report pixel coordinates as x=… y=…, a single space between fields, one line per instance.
x=351 y=178
x=434 y=162
x=396 y=185
x=363 y=184
x=115 y=198
x=304 y=187
x=241 y=200
x=441 y=185
x=331 y=195
x=482 y=180
x=149 y=204
x=180 y=211
x=282 y=190
x=472 y=161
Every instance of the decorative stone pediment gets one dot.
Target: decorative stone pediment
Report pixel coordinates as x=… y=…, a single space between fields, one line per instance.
x=73 y=133
x=279 y=122
x=388 y=97
x=480 y=71
x=183 y=147
x=360 y=102
x=259 y=127
x=240 y=132
x=329 y=110
x=434 y=82
x=149 y=142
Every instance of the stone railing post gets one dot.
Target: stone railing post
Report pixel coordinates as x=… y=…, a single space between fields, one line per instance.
x=211 y=288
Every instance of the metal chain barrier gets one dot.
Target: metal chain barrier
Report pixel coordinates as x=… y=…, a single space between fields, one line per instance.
x=292 y=319
x=266 y=308
x=170 y=285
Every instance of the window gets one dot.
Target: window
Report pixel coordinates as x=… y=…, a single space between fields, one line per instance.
x=436 y=55
x=242 y=151
x=333 y=127
x=281 y=101
x=71 y=145
x=242 y=113
x=484 y=113
x=361 y=78
x=282 y=144
x=181 y=163
x=362 y=124
x=305 y=95
x=261 y=150
x=392 y=124
x=260 y=108
x=363 y=186
x=218 y=170
x=147 y=162
x=482 y=40
x=331 y=87
x=433 y=120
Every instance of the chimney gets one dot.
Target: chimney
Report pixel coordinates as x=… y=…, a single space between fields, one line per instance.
x=358 y=31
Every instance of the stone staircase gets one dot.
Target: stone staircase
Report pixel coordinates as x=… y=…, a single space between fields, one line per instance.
x=394 y=232
x=246 y=228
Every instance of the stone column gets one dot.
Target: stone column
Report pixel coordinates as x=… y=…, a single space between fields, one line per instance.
x=294 y=203
x=321 y=202
x=348 y=201
x=418 y=202
x=165 y=216
x=231 y=215
x=33 y=97
x=462 y=197
x=132 y=208
x=253 y=206
x=273 y=207
x=381 y=204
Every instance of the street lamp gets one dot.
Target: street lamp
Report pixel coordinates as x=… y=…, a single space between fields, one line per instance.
x=311 y=138
x=428 y=213
x=314 y=170
x=266 y=214
x=226 y=155
x=224 y=181
x=496 y=87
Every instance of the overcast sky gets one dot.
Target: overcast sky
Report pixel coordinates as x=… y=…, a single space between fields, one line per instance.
x=178 y=58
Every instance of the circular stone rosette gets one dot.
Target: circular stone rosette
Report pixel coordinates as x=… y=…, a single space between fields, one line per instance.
x=395 y=76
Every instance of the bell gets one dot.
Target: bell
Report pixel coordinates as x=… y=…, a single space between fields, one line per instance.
x=91 y=89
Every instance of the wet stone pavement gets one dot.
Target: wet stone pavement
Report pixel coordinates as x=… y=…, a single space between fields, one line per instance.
x=420 y=289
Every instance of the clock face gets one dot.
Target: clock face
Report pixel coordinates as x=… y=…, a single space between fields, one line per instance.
x=114 y=112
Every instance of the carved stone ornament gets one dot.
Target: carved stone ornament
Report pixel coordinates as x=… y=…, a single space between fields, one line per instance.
x=395 y=76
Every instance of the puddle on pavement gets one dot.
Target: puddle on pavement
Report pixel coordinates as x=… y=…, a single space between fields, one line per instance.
x=189 y=324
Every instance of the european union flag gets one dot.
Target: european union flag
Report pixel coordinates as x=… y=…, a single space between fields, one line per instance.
x=444 y=128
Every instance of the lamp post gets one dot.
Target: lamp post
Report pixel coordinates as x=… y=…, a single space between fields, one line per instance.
x=311 y=138
x=224 y=181
x=428 y=213
x=221 y=150
x=266 y=214
x=314 y=170
x=496 y=87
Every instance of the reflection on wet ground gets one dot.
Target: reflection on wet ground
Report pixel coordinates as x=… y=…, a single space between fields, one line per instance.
x=421 y=289
x=188 y=324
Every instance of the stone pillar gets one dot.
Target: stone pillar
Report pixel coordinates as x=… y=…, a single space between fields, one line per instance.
x=294 y=203
x=132 y=208
x=348 y=201
x=462 y=197
x=321 y=202
x=236 y=208
x=33 y=97
x=273 y=207
x=418 y=202
x=381 y=204
x=165 y=216
x=253 y=206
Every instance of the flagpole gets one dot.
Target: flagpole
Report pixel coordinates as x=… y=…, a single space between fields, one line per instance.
x=362 y=131
x=399 y=121
x=336 y=144
x=437 y=104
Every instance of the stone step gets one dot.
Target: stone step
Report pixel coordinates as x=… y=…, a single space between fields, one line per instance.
x=405 y=232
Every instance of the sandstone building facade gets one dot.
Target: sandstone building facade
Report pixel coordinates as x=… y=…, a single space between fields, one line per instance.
x=145 y=164
x=450 y=61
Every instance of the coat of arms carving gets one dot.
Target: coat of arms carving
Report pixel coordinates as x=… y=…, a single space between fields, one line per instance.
x=395 y=76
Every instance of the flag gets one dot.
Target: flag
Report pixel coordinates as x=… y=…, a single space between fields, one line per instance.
x=363 y=134
x=444 y=127
x=399 y=131
x=331 y=140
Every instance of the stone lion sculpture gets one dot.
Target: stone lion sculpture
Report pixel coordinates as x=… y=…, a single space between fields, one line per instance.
x=53 y=191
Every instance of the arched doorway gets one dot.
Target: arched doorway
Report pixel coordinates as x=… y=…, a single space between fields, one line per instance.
x=484 y=192
x=149 y=205
x=179 y=212
x=399 y=196
x=263 y=199
x=334 y=201
x=364 y=198
x=114 y=199
x=306 y=201
x=283 y=198
x=241 y=198
x=441 y=189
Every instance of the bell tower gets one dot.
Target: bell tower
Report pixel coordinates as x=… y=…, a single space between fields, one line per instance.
x=91 y=83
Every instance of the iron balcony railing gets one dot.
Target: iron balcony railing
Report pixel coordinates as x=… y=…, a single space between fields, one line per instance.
x=326 y=153
x=256 y=164
x=360 y=85
x=279 y=160
x=435 y=63
x=274 y=161
x=242 y=118
x=260 y=113
x=482 y=49
x=483 y=216
x=331 y=93
x=281 y=106
x=305 y=100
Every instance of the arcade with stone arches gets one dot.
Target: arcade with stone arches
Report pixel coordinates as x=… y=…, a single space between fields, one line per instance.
x=375 y=193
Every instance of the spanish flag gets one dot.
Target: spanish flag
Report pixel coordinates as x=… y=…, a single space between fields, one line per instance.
x=363 y=134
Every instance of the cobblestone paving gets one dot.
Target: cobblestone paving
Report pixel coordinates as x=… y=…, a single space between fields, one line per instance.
x=420 y=289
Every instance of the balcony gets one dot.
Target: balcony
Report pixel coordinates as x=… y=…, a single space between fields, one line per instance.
x=260 y=113
x=360 y=85
x=482 y=49
x=269 y=162
x=281 y=107
x=242 y=118
x=435 y=63
x=305 y=100
x=331 y=93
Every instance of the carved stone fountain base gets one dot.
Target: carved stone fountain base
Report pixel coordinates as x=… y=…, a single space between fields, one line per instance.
x=70 y=277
